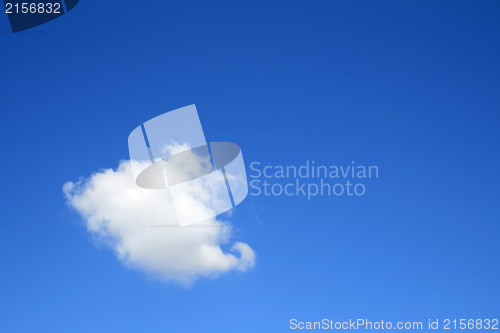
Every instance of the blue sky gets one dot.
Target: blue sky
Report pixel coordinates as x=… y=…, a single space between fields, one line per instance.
x=409 y=86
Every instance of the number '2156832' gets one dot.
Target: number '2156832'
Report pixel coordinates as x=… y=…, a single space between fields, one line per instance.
x=470 y=324
x=33 y=8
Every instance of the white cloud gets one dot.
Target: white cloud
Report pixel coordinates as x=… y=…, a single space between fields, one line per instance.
x=136 y=222
x=174 y=148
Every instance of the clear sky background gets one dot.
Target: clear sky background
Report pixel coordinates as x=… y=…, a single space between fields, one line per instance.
x=411 y=86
